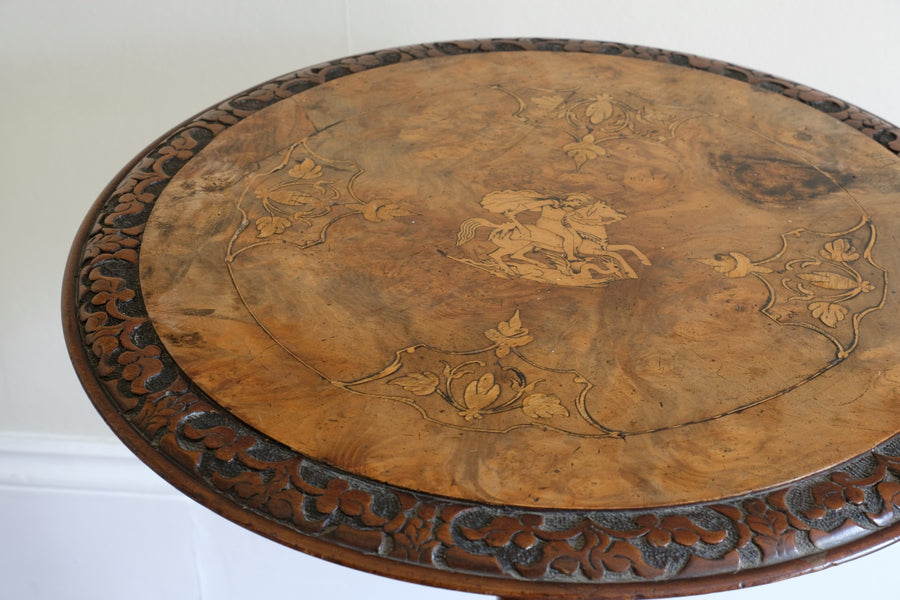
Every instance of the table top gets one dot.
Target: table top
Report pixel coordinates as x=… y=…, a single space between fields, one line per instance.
x=522 y=317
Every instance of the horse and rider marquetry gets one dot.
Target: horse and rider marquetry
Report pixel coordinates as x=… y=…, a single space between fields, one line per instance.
x=556 y=239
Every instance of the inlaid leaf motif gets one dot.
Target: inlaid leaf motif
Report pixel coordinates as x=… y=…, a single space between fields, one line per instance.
x=513 y=327
x=839 y=250
x=479 y=394
x=584 y=150
x=292 y=198
x=508 y=334
x=734 y=265
x=554 y=105
x=271 y=225
x=830 y=314
x=379 y=210
x=543 y=406
x=420 y=384
x=307 y=169
x=600 y=109
x=830 y=281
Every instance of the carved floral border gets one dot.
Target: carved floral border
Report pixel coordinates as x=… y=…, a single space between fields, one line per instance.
x=138 y=387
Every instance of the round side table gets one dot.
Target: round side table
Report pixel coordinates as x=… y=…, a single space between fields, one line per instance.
x=534 y=318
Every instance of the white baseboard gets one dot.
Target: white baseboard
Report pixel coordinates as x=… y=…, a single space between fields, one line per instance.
x=29 y=460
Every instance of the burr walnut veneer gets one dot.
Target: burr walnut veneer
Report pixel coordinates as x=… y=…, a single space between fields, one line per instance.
x=536 y=318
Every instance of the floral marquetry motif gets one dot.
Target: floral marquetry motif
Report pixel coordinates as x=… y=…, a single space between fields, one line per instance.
x=835 y=283
x=482 y=385
x=500 y=316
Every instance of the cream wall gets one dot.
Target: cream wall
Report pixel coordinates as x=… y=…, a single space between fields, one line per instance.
x=86 y=85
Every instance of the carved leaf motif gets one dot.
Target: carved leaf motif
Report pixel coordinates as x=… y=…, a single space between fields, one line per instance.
x=329 y=501
x=565 y=564
x=839 y=250
x=479 y=394
x=139 y=365
x=525 y=539
x=774 y=535
x=271 y=225
x=889 y=491
x=307 y=169
x=830 y=314
x=108 y=243
x=413 y=534
x=420 y=384
x=543 y=406
x=110 y=289
x=770 y=523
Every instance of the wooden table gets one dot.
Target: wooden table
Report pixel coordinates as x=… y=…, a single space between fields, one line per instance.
x=535 y=318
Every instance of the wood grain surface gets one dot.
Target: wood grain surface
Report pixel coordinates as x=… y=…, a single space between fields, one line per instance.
x=536 y=279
